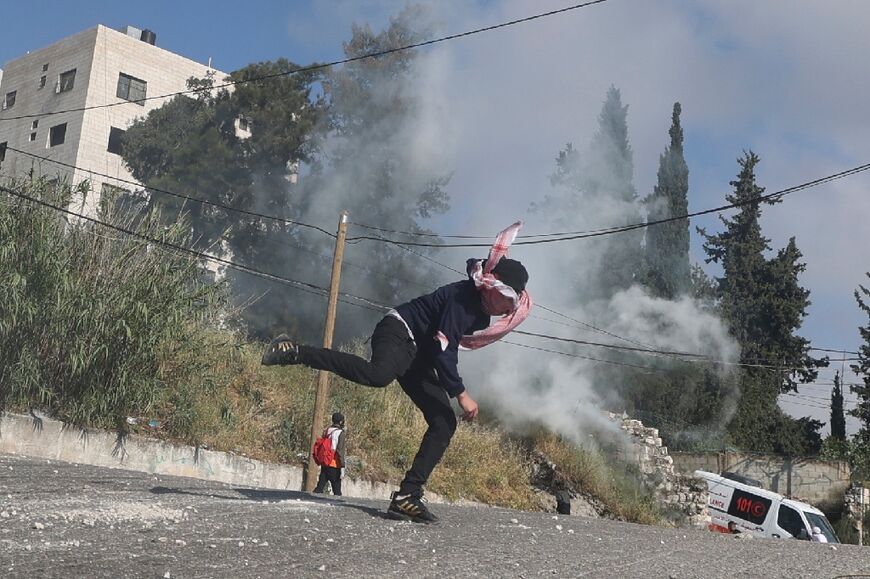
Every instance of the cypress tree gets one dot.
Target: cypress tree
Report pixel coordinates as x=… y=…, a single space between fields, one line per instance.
x=666 y=252
x=838 y=418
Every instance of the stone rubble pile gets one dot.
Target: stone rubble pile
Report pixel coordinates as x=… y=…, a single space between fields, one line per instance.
x=546 y=483
x=683 y=499
x=855 y=501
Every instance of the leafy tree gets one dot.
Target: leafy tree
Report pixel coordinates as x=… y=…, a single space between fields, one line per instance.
x=666 y=251
x=838 y=418
x=192 y=146
x=764 y=305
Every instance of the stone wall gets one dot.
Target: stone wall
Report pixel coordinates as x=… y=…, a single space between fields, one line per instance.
x=683 y=499
x=855 y=502
x=813 y=481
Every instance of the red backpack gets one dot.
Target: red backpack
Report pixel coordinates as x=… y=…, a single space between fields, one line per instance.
x=323 y=452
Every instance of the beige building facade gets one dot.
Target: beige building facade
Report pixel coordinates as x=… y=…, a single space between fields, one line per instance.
x=95 y=84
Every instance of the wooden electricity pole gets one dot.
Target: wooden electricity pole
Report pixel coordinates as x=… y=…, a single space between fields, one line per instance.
x=311 y=472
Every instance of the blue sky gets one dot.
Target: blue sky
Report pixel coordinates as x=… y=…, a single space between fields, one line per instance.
x=782 y=77
x=231 y=33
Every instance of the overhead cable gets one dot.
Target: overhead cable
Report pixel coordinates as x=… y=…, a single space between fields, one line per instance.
x=179 y=195
x=632 y=227
x=304 y=286
x=314 y=67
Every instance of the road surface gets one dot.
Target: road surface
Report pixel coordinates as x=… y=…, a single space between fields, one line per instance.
x=64 y=520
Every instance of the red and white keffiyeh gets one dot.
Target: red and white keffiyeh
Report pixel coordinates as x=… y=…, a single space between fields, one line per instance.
x=495 y=295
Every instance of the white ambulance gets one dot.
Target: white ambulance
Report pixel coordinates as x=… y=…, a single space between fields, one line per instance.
x=762 y=513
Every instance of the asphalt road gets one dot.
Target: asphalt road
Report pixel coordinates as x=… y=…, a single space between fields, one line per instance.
x=63 y=520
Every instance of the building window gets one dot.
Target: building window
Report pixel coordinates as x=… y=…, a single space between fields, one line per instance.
x=3 y=146
x=116 y=140
x=131 y=89
x=57 y=135
x=32 y=137
x=41 y=82
x=34 y=124
x=9 y=101
x=66 y=81
x=45 y=67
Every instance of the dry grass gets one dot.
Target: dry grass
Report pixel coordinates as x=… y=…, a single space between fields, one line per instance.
x=95 y=328
x=612 y=483
x=266 y=413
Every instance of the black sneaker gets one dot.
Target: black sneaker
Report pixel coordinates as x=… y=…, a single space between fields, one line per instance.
x=410 y=508
x=281 y=351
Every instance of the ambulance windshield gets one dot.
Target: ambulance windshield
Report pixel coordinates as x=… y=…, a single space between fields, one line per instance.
x=822 y=523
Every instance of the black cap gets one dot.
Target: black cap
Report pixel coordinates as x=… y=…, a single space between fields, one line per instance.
x=337 y=418
x=512 y=273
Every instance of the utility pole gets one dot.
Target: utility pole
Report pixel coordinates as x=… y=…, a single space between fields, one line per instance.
x=322 y=392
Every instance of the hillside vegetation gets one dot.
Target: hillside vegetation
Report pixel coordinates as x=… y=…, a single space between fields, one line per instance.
x=97 y=325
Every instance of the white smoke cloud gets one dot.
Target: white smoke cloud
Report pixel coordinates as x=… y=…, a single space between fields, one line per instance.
x=525 y=386
x=778 y=77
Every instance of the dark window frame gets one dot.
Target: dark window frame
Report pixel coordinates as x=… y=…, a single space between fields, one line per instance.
x=116 y=140
x=132 y=89
x=66 y=81
x=3 y=146
x=55 y=133
x=6 y=100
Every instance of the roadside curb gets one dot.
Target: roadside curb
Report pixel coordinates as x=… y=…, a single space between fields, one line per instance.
x=35 y=436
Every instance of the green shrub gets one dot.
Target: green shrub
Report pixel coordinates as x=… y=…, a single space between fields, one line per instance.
x=97 y=325
x=91 y=319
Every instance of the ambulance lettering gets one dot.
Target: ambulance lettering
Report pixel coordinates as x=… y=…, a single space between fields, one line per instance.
x=749 y=507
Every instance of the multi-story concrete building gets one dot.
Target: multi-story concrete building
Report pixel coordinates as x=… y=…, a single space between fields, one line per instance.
x=93 y=82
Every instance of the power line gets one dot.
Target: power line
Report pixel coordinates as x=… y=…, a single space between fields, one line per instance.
x=595 y=328
x=687 y=357
x=587 y=325
x=319 y=290
x=179 y=195
x=832 y=351
x=644 y=348
x=226 y=262
x=820 y=398
x=611 y=346
x=304 y=286
x=632 y=227
x=614 y=362
x=807 y=405
x=453 y=236
x=314 y=67
x=545 y=308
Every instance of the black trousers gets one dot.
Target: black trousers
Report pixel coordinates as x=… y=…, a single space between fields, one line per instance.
x=331 y=475
x=395 y=357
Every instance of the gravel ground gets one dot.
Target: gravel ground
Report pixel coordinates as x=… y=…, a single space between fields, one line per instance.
x=64 y=520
